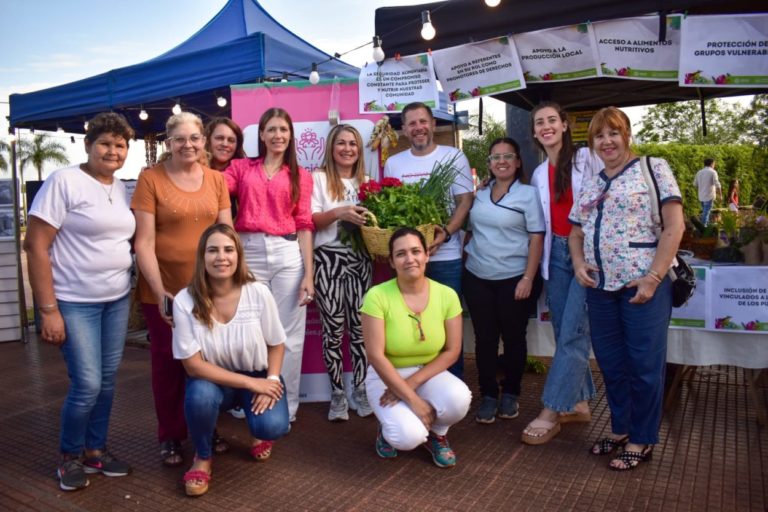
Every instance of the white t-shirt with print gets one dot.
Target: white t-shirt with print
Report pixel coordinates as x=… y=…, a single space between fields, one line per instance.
x=322 y=202
x=91 y=254
x=410 y=168
x=238 y=345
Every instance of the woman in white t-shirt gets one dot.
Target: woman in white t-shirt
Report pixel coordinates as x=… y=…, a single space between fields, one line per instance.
x=342 y=273
x=227 y=334
x=78 y=244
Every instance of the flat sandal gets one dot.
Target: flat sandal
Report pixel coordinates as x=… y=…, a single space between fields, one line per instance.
x=608 y=445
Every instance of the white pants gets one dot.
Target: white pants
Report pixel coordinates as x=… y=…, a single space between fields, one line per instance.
x=400 y=426
x=277 y=263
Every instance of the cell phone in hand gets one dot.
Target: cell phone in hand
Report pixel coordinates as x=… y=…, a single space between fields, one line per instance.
x=168 y=306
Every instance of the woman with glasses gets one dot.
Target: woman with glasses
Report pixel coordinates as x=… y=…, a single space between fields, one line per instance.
x=501 y=279
x=558 y=179
x=412 y=331
x=174 y=202
x=275 y=224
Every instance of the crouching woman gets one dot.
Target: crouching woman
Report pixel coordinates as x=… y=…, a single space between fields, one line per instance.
x=228 y=335
x=412 y=333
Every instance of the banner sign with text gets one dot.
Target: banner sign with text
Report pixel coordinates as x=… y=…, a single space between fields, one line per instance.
x=394 y=83
x=559 y=54
x=739 y=299
x=630 y=48
x=724 y=51
x=478 y=69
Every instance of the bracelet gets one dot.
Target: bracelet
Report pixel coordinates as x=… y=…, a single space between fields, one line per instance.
x=654 y=275
x=447 y=234
x=273 y=377
x=48 y=306
x=525 y=277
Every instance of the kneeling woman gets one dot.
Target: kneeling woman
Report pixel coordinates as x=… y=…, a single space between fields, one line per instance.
x=412 y=332
x=228 y=335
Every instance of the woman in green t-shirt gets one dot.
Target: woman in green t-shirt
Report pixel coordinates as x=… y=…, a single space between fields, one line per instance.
x=412 y=331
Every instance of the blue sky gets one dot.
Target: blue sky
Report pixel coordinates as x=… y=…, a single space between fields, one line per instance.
x=50 y=42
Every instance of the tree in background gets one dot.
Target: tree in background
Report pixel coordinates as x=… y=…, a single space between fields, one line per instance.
x=5 y=149
x=40 y=151
x=475 y=146
x=727 y=123
x=757 y=121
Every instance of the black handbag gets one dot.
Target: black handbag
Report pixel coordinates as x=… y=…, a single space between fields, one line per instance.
x=681 y=273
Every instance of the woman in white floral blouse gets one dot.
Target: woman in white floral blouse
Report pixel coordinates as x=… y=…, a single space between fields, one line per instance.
x=618 y=257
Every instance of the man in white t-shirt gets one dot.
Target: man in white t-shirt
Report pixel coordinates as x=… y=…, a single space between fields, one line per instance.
x=708 y=186
x=417 y=164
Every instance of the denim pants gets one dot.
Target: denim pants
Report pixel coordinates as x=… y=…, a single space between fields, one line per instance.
x=277 y=263
x=92 y=350
x=630 y=343
x=204 y=400
x=706 y=209
x=569 y=379
x=496 y=313
x=449 y=274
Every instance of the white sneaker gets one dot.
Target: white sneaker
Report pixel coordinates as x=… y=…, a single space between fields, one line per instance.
x=339 y=407
x=360 y=398
x=237 y=412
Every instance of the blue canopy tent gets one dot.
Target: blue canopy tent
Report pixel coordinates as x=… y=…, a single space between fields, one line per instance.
x=241 y=44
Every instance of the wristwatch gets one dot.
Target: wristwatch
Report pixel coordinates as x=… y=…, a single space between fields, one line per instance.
x=447 y=234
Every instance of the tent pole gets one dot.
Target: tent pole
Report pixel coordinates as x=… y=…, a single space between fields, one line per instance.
x=703 y=116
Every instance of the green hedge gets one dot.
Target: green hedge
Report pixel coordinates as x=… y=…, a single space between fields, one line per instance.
x=747 y=163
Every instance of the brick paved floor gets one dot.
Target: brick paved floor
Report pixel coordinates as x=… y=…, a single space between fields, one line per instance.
x=712 y=456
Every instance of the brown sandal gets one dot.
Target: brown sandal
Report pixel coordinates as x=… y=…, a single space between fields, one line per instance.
x=552 y=428
x=575 y=417
x=196 y=482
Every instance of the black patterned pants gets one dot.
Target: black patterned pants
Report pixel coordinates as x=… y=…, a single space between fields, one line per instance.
x=342 y=277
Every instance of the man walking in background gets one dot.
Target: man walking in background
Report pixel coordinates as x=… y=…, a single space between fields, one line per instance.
x=708 y=186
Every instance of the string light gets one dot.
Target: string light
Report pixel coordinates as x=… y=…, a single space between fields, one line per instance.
x=59 y=129
x=221 y=101
x=378 y=52
x=176 y=109
x=143 y=115
x=85 y=126
x=427 y=29
x=492 y=3
x=314 y=76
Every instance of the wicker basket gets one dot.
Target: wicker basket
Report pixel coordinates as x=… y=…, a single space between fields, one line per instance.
x=377 y=239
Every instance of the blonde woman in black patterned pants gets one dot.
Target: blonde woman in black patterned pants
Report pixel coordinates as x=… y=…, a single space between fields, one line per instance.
x=342 y=274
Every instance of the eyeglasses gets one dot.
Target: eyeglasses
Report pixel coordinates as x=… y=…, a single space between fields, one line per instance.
x=182 y=141
x=418 y=324
x=509 y=157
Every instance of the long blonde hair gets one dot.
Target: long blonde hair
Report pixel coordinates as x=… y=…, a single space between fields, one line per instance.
x=200 y=287
x=335 y=185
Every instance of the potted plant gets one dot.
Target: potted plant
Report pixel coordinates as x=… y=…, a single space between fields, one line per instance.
x=704 y=238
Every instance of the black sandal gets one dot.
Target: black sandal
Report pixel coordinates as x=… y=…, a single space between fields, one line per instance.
x=170 y=453
x=607 y=445
x=220 y=445
x=632 y=459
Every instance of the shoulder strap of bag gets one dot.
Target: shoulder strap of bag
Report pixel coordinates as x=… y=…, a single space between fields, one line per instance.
x=653 y=191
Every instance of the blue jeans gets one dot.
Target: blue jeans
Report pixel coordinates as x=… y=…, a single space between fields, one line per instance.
x=449 y=274
x=204 y=400
x=569 y=380
x=706 y=209
x=92 y=350
x=630 y=343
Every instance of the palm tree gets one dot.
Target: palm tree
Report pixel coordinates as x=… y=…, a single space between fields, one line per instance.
x=38 y=152
x=4 y=148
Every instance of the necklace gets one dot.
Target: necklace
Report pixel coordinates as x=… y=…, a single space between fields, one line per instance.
x=107 y=190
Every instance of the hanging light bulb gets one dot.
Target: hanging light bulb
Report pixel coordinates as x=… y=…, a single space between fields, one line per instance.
x=85 y=126
x=143 y=115
x=72 y=139
x=314 y=76
x=427 y=30
x=221 y=101
x=492 y=3
x=378 y=53
x=285 y=77
x=59 y=129
x=176 y=109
